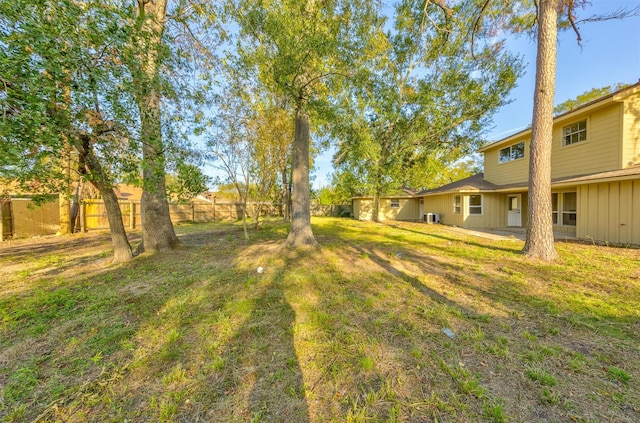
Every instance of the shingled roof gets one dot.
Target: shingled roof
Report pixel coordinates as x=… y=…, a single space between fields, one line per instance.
x=628 y=173
x=472 y=183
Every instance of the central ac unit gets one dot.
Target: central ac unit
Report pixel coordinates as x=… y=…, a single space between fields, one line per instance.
x=433 y=218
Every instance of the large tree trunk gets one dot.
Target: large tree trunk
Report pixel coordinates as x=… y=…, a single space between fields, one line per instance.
x=539 y=243
x=157 y=229
x=300 y=233
x=244 y=198
x=286 y=200
x=99 y=179
x=377 y=192
x=375 y=212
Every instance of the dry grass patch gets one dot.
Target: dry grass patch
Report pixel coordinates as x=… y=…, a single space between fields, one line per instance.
x=351 y=331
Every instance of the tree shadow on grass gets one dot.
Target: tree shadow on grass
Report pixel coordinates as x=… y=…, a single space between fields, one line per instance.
x=258 y=376
x=413 y=281
x=465 y=241
x=278 y=386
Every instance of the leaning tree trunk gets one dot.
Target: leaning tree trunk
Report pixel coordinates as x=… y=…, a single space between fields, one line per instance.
x=539 y=243
x=157 y=230
x=301 y=233
x=99 y=179
x=75 y=205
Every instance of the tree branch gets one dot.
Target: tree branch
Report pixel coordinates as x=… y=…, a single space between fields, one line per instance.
x=474 y=28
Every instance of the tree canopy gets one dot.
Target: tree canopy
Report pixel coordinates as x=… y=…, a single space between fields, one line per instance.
x=115 y=91
x=587 y=96
x=425 y=101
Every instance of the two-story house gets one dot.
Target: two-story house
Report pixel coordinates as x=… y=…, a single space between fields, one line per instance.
x=595 y=171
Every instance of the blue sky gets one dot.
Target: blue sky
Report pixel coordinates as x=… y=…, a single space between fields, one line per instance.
x=609 y=54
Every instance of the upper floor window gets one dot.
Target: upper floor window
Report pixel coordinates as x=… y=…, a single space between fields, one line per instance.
x=475 y=204
x=574 y=133
x=513 y=152
x=395 y=204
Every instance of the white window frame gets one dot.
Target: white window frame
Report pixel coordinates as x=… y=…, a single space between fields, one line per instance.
x=566 y=214
x=512 y=153
x=475 y=207
x=395 y=204
x=555 y=208
x=574 y=133
x=457 y=204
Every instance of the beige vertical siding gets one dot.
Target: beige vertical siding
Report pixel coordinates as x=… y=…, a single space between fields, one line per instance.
x=443 y=205
x=409 y=209
x=601 y=151
x=632 y=195
x=494 y=211
x=362 y=208
x=631 y=131
x=606 y=212
x=509 y=172
x=355 y=205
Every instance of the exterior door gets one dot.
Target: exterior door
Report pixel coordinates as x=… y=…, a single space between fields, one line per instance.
x=514 y=216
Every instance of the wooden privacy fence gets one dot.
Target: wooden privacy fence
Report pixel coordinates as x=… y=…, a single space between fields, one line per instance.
x=93 y=214
x=21 y=217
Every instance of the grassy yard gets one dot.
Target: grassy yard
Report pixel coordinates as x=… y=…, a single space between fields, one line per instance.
x=349 y=332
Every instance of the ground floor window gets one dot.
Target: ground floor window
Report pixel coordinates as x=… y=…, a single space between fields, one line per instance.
x=475 y=204
x=554 y=207
x=569 y=208
x=564 y=207
x=457 y=204
x=395 y=204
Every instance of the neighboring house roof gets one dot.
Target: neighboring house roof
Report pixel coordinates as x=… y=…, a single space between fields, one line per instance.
x=409 y=191
x=473 y=183
x=128 y=192
x=597 y=103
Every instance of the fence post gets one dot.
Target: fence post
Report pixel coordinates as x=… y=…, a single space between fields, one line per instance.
x=214 y=208
x=1 y=221
x=193 y=212
x=83 y=212
x=132 y=215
